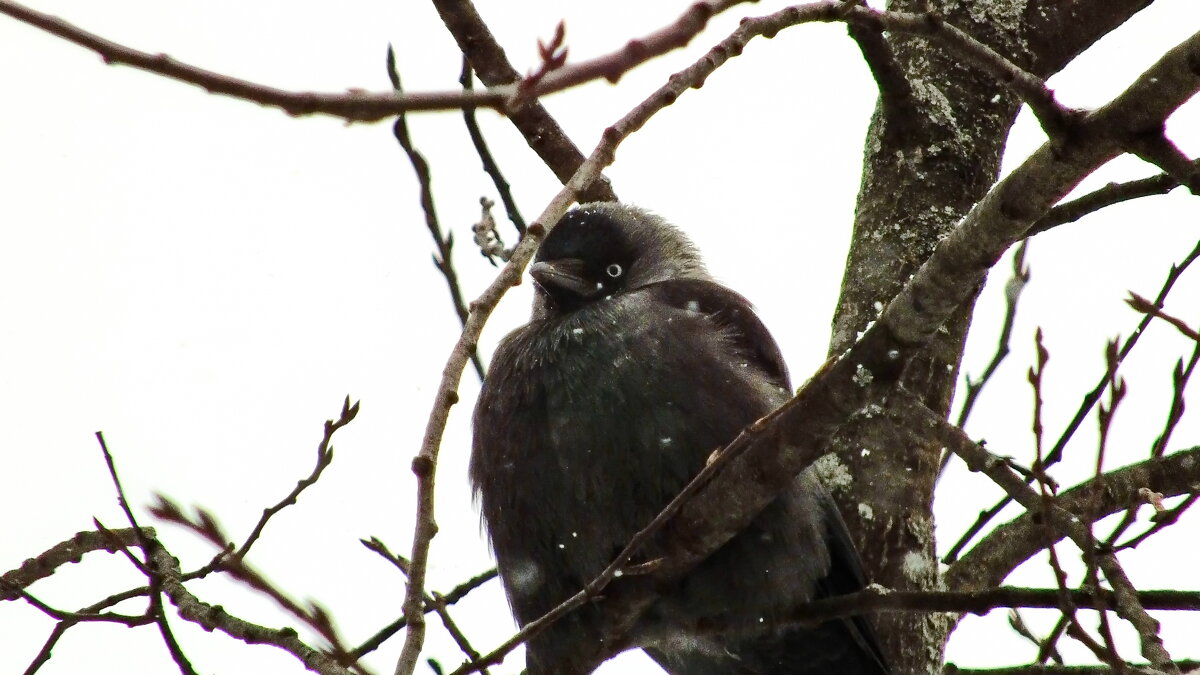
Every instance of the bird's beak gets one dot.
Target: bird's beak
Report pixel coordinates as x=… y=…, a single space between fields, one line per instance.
x=566 y=275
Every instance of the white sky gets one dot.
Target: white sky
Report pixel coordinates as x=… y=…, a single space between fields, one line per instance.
x=204 y=280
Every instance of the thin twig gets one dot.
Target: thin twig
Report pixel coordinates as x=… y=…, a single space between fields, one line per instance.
x=1166 y=519
x=1045 y=503
x=121 y=501
x=457 y=593
x=1012 y=295
x=324 y=459
x=490 y=167
x=129 y=620
x=1144 y=306
x=433 y=601
x=164 y=629
x=43 y=656
x=1048 y=649
x=1113 y=193
x=1179 y=380
x=312 y=615
x=875 y=598
x=154 y=589
x=443 y=260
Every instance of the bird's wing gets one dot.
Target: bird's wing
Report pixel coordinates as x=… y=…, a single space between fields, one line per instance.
x=846 y=576
x=730 y=310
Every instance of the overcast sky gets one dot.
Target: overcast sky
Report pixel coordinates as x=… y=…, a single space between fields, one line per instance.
x=204 y=280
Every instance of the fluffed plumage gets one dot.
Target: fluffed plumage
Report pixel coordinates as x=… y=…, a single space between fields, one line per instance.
x=634 y=367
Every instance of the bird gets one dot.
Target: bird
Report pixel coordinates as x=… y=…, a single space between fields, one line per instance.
x=634 y=367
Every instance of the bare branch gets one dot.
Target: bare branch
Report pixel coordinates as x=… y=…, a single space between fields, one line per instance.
x=81 y=617
x=212 y=617
x=443 y=260
x=541 y=131
x=978 y=459
x=433 y=601
x=457 y=593
x=1047 y=647
x=154 y=590
x=1160 y=520
x=205 y=525
x=1012 y=295
x=1179 y=380
x=368 y=107
x=324 y=459
x=1113 y=193
x=490 y=167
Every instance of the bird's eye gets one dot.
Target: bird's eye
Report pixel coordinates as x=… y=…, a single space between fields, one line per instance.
x=614 y=270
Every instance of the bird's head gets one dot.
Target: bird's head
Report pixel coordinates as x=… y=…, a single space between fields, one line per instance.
x=603 y=249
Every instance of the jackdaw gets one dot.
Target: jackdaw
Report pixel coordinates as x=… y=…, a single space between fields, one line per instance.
x=634 y=367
